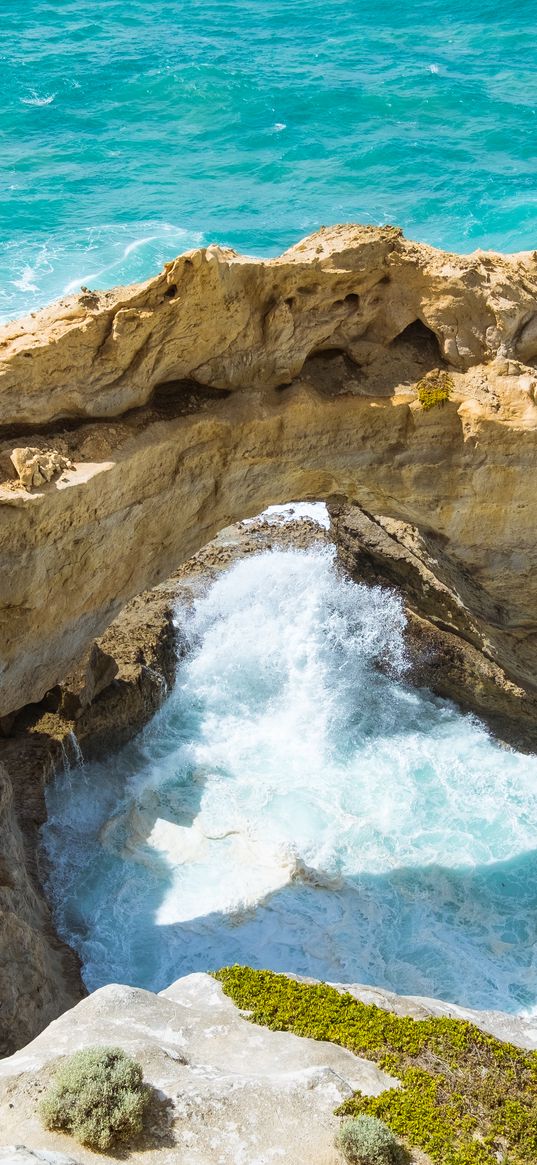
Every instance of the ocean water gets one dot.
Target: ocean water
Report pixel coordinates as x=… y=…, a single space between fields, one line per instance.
x=132 y=132
x=297 y=805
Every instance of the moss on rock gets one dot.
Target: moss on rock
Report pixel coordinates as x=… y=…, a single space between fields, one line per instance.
x=434 y=389
x=466 y=1098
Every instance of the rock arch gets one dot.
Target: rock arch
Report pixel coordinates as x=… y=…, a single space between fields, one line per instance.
x=227 y=384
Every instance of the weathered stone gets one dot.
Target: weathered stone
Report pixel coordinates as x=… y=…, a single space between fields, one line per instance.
x=234 y=1091
x=234 y=322
x=93 y=675
x=448 y=649
x=152 y=487
x=36 y=467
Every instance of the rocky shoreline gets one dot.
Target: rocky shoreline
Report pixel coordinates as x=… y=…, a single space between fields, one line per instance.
x=122 y=682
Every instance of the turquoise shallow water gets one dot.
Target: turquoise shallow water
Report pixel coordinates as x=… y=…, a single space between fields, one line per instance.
x=130 y=132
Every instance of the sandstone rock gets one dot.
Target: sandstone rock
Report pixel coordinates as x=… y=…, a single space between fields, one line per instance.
x=233 y=322
x=35 y=467
x=448 y=649
x=39 y=976
x=93 y=675
x=319 y=352
x=37 y=973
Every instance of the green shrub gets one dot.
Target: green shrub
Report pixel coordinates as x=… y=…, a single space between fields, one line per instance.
x=98 y=1096
x=465 y=1098
x=368 y=1141
x=434 y=389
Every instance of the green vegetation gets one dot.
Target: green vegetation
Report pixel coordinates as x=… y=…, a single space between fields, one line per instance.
x=434 y=389
x=466 y=1098
x=368 y=1141
x=98 y=1096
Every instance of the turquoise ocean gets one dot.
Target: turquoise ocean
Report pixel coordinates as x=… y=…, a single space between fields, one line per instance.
x=130 y=132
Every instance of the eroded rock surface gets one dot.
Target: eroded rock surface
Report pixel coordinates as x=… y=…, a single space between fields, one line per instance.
x=232 y=322
x=235 y=1092
x=237 y=383
x=448 y=646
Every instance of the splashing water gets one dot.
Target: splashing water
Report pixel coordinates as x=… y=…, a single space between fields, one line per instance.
x=297 y=805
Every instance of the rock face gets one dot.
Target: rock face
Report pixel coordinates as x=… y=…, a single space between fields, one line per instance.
x=236 y=383
x=235 y=1092
x=38 y=974
x=448 y=648
x=121 y=684
x=229 y=1091
x=231 y=322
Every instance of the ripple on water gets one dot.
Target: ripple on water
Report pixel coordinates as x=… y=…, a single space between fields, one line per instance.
x=252 y=124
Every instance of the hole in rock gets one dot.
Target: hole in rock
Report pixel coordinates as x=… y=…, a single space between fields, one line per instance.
x=296 y=804
x=422 y=340
x=185 y=396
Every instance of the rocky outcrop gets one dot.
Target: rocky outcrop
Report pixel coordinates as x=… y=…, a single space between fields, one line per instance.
x=117 y=688
x=448 y=648
x=229 y=1090
x=232 y=322
x=38 y=974
x=121 y=684
x=236 y=383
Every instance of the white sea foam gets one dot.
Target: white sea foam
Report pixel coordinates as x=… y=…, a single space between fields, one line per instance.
x=35 y=99
x=296 y=805
x=99 y=256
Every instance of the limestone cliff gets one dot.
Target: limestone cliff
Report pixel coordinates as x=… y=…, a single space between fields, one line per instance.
x=164 y=411
x=226 y=1090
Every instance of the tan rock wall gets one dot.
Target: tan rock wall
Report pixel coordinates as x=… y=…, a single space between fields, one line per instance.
x=322 y=401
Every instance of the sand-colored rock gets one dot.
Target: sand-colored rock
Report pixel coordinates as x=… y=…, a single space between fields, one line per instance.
x=36 y=970
x=39 y=975
x=37 y=466
x=320 y=352
x=232 y=322
x=448 y=650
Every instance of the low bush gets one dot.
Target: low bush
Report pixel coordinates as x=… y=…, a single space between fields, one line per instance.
x=465 y=1098
x=434 y=389
x=98 y=1096
x=368 y=1141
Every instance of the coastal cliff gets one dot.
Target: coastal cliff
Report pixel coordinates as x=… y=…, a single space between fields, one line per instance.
x=357 y=367
x=394 y=381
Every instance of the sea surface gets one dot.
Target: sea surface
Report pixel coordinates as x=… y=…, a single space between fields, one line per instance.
x=131 y=132
x=297 y=805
